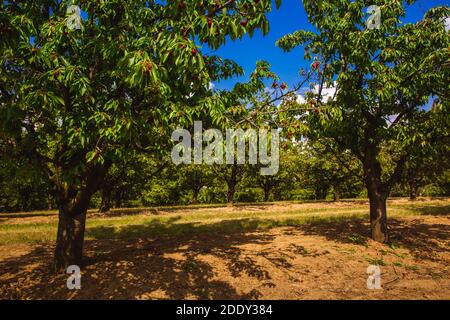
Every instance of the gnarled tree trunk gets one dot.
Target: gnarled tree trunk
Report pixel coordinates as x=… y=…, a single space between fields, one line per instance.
x=377 y=195
x=69 y=240
x=378 y=217
x=73 y=205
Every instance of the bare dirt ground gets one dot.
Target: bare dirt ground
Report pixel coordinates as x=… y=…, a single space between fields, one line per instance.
x=316 y=261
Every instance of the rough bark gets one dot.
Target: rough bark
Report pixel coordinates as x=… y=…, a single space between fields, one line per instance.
x=378 y=217
x=69 y=240
x=377 y=195
x=73 y=205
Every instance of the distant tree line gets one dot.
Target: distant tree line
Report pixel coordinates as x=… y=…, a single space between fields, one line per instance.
x=307 y=172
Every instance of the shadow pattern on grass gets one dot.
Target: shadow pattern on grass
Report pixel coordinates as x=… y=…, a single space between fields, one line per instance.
x=167 y=259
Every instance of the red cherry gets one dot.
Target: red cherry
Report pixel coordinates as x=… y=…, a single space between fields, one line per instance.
x=210 y=22
x=244 y=23
x=283 y=86
x=194 y=51
x=315 y=65
x=274 y=84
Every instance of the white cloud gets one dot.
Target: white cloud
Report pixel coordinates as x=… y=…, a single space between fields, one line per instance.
x=328 y=93
x=300 y=99
x=447 y=24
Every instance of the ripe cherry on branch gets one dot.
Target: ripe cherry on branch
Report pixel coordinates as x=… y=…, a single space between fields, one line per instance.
x=315 y=65
x=283 y=86
x=148 y=67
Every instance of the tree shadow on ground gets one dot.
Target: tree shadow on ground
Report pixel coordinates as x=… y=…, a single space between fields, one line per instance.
x=179 y=260
x=126 y=267
x=424 y=241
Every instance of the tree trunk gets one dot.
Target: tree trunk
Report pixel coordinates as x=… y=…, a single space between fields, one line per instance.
x=337 y=194
x=50 y=203
x=73 y=203
x=378 y=218
x=230 y=194
x=106 y=199
x=413 y=190
x=118 y=199
x=377 y=195
x=195 y=196
x=231 y=183
x=266 y=194
x=69 y=240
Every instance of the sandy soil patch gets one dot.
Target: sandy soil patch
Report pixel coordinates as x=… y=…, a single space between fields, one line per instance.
x=320 y=261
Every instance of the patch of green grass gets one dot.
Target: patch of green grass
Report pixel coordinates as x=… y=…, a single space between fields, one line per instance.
x=394 y=246
x=392 y=252
x=358 y=239
x=414 y=268
x=139 y=223
x=375 y=261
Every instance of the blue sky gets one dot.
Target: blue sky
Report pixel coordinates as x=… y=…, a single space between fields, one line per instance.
x=288 y=18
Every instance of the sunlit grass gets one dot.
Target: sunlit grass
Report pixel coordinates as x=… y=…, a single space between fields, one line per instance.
x=178 y=222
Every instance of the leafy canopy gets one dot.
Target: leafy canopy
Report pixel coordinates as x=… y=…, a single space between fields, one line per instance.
x=72 y=98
